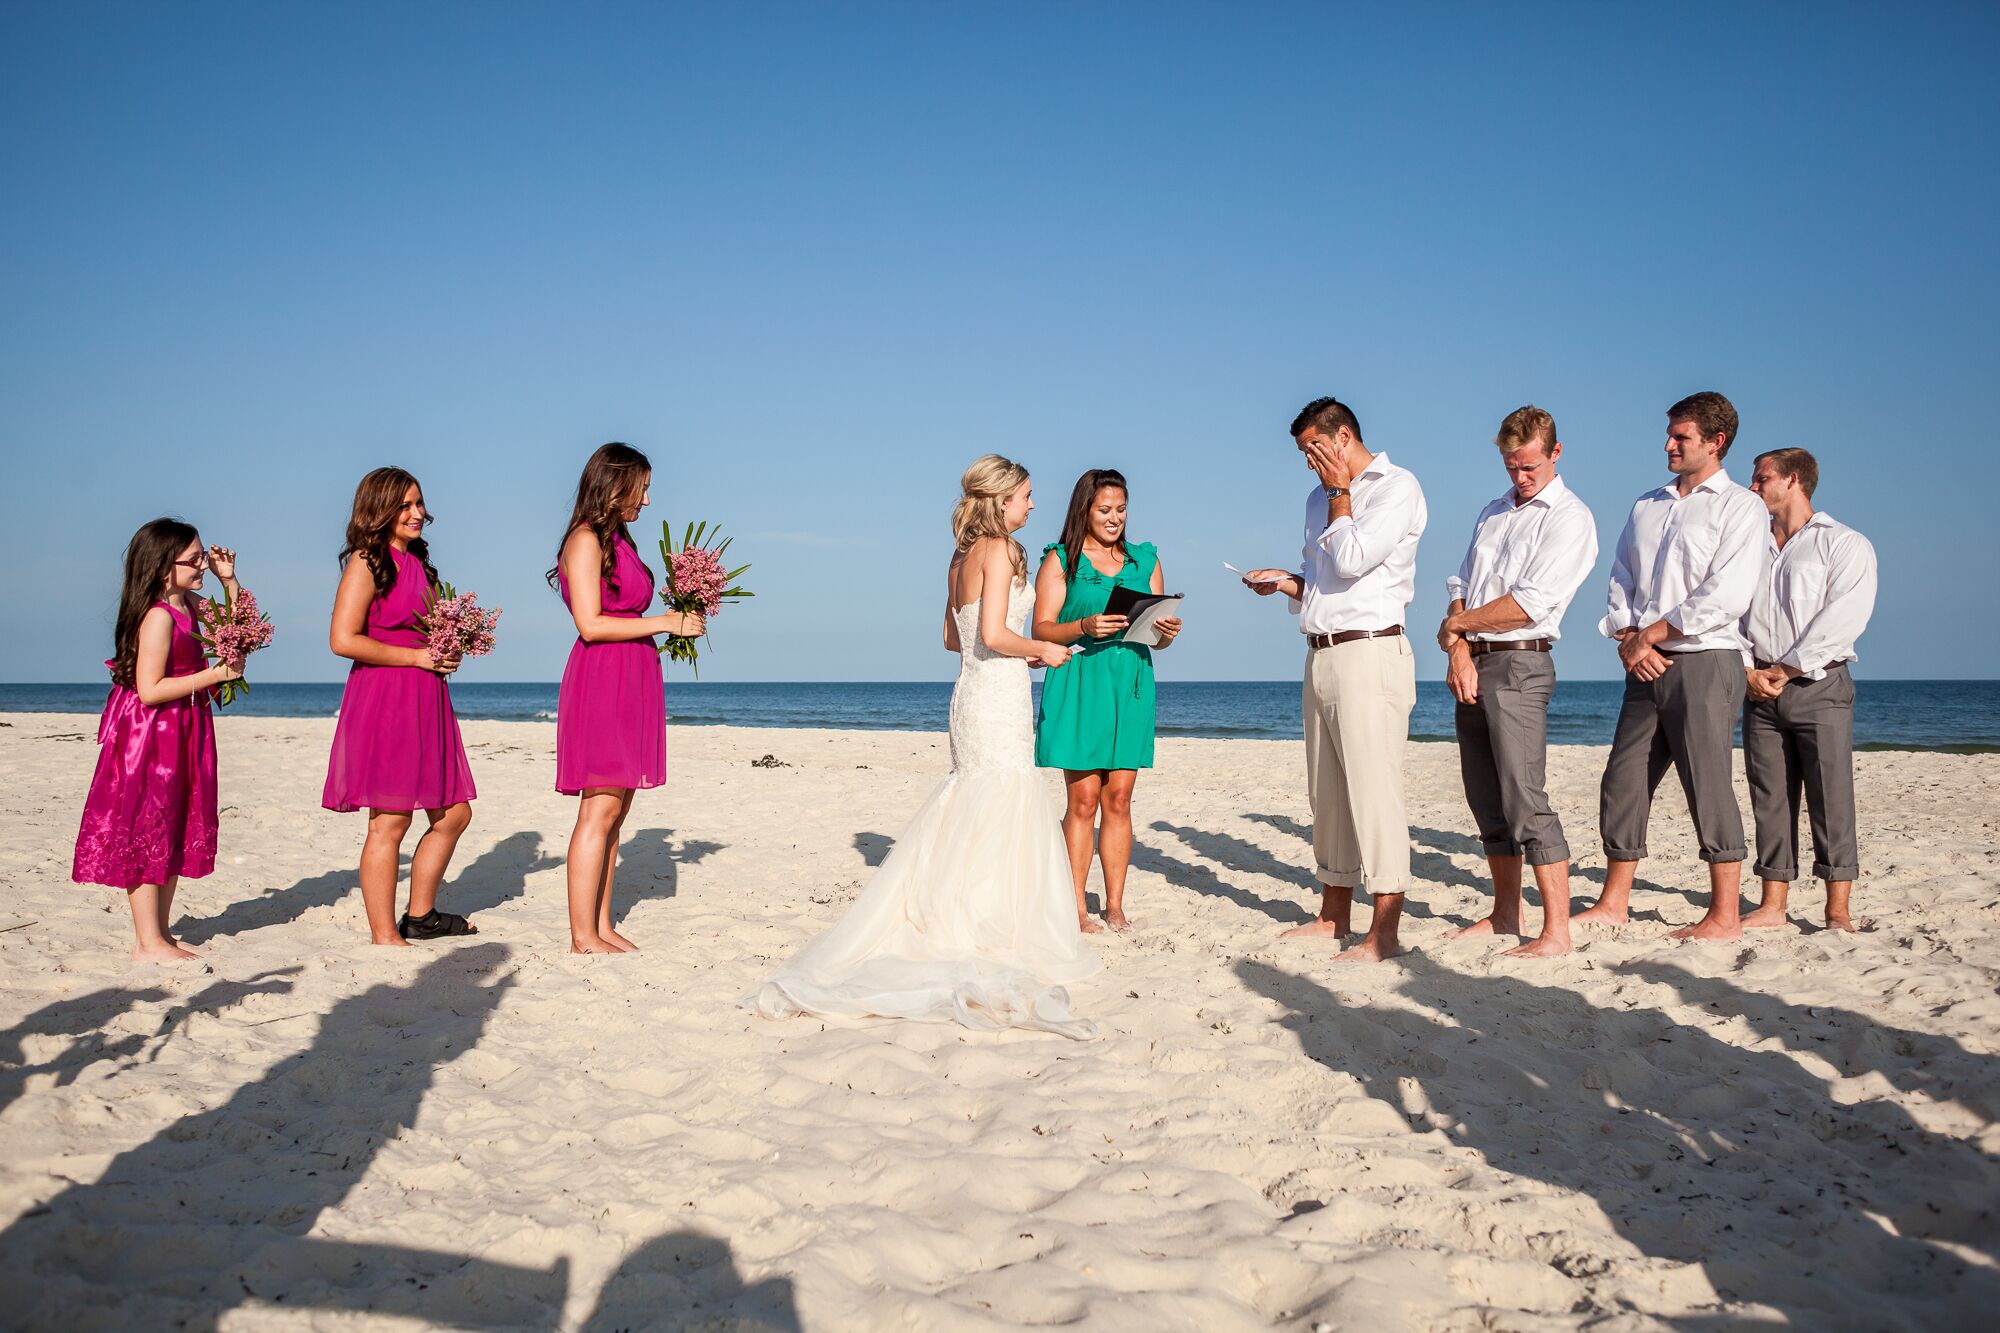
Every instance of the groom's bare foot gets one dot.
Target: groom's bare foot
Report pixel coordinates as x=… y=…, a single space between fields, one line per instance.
x=1317 y=928
x=1485 y=926
x=1600 y=915
x=1370 y=950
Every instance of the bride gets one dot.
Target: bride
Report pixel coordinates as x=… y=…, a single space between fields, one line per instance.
x=971 y=918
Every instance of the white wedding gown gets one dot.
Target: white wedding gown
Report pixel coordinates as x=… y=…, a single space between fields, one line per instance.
x=972 y=917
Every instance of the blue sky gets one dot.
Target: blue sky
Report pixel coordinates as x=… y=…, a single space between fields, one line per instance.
x=814 y=259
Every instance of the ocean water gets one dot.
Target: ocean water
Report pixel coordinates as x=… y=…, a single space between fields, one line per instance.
x=1956 y=715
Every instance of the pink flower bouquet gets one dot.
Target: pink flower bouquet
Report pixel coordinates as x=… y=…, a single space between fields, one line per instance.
x=456 y=625
x=697 y=583
x=236 y=629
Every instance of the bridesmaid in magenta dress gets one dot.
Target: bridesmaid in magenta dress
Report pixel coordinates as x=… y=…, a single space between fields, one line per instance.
x=611 y=714
x=150 y=819
x=396 y=748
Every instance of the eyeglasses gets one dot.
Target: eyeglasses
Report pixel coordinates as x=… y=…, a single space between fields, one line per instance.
x=199 y=562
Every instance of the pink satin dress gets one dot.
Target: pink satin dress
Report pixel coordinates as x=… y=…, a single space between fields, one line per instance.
x=396 y=744
x=611 y=713
x=151 y=813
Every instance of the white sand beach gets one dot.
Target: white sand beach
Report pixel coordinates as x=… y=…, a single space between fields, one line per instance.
x=303 y=1132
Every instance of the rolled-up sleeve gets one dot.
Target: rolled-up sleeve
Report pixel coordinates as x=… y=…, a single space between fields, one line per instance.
x=1357 y=545
x=1561 y=562
x=1623 y=586
x=1850 y=601
x=1721 y=598
x=1456 y=586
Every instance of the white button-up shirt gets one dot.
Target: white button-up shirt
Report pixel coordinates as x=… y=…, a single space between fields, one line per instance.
x=1693 y=561
x=1360 y=572
x=1817 y=593
x=1540 y=551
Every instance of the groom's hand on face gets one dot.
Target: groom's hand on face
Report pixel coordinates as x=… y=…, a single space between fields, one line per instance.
x=1328 y=458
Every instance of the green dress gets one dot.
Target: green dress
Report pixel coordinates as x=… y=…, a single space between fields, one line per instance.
x=1097 y=708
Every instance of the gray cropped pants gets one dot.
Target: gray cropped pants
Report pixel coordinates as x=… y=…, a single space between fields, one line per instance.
x=1503 y=757
x=1802 y=744
x=1685 y=720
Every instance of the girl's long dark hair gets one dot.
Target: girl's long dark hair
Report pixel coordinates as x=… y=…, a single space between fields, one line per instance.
x=1076 y=524
x=149 y=559
x=607 y=485
x=377 y=502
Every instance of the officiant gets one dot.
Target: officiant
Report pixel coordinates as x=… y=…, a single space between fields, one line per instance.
x=1096 y=718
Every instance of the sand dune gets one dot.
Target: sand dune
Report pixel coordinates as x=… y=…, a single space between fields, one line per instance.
x=307 y=1133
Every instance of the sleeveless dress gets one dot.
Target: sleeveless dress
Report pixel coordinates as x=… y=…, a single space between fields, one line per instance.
x=151 y=812
x=396 y=745
x=971 y=918
x=611 y=713
x=1098 y=707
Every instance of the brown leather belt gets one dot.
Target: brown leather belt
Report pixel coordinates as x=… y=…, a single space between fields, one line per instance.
x=1350 y=635
x=1481 y=647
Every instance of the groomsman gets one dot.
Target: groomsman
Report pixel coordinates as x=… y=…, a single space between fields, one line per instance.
x=1813 y=602
x=1363 y=521
x=1531 y=550
x=1687 y=566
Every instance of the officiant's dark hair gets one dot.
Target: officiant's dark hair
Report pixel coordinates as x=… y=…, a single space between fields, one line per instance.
x=607 y=485
x=1325 y=415
x=1076 y=524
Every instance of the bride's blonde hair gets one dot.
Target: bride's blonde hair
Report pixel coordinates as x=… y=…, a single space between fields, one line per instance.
x=984 y=490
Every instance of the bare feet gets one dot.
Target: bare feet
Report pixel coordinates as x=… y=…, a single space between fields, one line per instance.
x=1832 y=923
x=1541 y=948
x=1708 y=928
x=1600 y=915
x=1088 y=925
x=166 y=951
x=1370 y=950
x=1765 y=918
x=1484 y=927
x=618 y=942
x=196 y=953
x=393 y=941
x=591 y=944
x=1115 y=918
x=1317 y=928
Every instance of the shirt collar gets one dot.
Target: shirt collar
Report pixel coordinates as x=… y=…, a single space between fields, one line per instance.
x=1718 y=481
x=1378 y=466
x=1546 y=497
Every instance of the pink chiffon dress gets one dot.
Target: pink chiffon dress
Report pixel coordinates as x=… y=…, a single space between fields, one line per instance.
x=396 y=744
x=611 y=713
x=151 y=813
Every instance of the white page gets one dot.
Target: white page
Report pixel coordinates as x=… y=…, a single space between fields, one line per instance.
x=1144 y=629
x=1246 y=578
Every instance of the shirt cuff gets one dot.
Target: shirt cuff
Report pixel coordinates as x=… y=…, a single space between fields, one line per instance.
x=1797 y=663
x=1454 y=588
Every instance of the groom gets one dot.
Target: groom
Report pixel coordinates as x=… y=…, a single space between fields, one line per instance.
x=1363 y=520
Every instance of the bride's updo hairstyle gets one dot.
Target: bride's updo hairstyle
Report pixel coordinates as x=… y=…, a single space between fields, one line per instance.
x=984 y=490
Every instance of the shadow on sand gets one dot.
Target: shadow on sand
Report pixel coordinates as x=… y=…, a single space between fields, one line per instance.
x=87 y=1016
x=213 y=1212
x=1697 y=1151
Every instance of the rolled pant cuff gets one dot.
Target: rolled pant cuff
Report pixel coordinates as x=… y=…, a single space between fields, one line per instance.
x=1624 y=853
x=1726 y=856
x=1775 y=872
x=1339 y=879
x=1547 y=855
x=1500 y=847
x=1836 y=874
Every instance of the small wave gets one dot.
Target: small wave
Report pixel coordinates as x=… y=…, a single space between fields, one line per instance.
x=1946 y=747
x=1223 y=731
x=546 y=715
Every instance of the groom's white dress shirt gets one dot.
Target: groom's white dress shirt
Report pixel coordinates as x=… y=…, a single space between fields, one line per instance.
x=1540 y=551
x=1692 y=560
x=1815 y=598
x=1360 y=572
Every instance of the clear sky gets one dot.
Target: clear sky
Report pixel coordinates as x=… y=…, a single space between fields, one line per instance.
x=815 y=258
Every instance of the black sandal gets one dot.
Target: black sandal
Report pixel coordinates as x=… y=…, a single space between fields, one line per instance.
x=434 y=925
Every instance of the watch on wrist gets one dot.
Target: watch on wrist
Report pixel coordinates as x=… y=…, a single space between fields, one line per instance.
x=1334 y=492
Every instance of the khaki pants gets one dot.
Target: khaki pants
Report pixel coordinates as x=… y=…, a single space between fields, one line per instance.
x=1358 y=697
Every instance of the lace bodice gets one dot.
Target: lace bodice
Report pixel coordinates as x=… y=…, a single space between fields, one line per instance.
x=992 y=713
